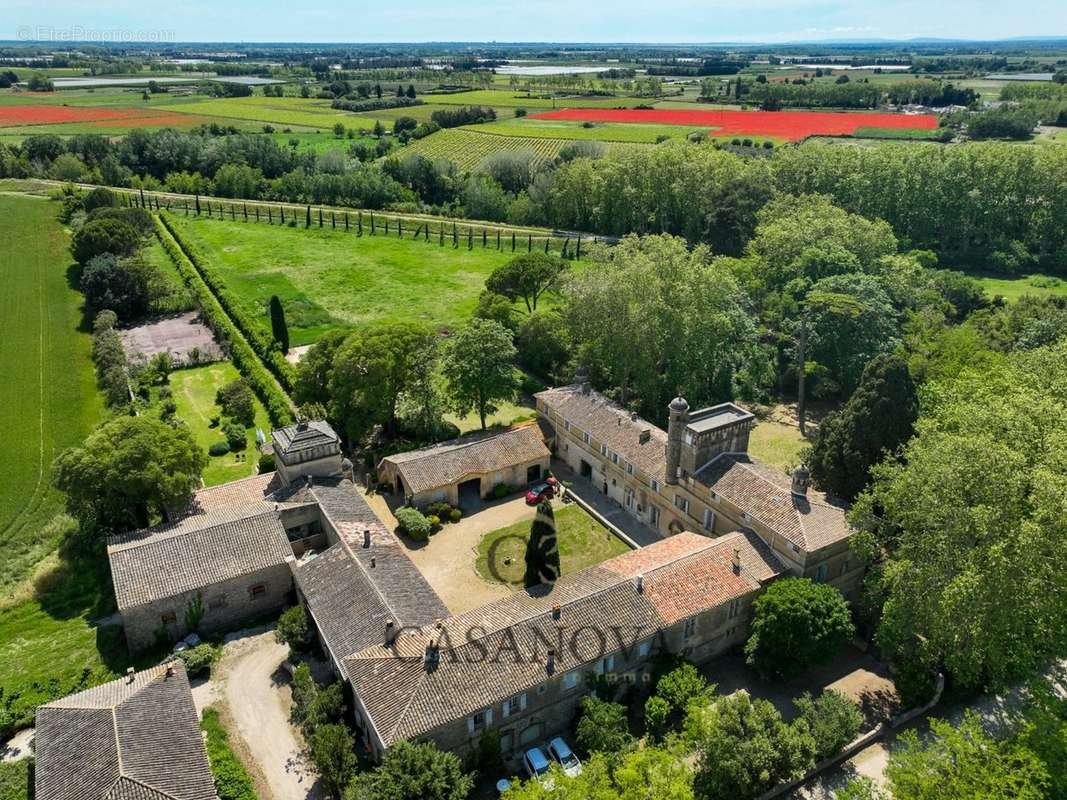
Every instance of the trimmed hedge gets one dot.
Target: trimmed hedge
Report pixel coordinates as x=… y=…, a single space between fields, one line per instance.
x=261 y=340
x=413 y=523
x=243 y=356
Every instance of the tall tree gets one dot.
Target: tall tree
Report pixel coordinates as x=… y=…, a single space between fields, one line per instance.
x=796 y=623
x=878 y=419
x=526 y=278
x=414 y=772
x=478 y=367
x=968 y=526
x=370 y=371
x=278 y=325
x=542 y=548
x=130 y=472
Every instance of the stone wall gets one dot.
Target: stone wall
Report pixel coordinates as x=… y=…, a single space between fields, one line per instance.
x=226 y=606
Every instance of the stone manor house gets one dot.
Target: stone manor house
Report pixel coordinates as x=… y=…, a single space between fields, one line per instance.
x=413 y=670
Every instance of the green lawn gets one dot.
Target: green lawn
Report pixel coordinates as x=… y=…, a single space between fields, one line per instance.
x=194 y=392
x=775 y=443
x=582 y=542
x=1013 y=288
x=328 y=279
x=48 y=397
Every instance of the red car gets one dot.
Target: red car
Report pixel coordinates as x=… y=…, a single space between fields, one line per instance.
x=545 y=490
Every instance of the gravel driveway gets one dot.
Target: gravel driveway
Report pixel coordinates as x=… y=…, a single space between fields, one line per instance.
x=256 y=692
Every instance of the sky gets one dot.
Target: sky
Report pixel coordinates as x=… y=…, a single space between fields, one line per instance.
x=667 y=21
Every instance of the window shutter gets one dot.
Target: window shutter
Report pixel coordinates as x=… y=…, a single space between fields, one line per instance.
x=522 y=702
x=505 y=710
x=488 y=717
x=470 y=724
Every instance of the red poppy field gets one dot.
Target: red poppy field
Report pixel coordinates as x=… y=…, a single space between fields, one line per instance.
x=788 y=125
x=11 y=116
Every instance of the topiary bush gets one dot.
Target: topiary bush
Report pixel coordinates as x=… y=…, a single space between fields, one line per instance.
x=455 y=514
x=413 y=523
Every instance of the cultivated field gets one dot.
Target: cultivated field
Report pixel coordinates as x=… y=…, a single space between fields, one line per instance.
x=468 y=147
x=328 y=279
x=48 y=398
x=514 y=98
x=295 y=112
x=572 y=131
x=789 y=125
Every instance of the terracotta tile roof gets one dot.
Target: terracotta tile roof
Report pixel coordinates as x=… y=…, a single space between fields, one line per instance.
x=810 y=522
x=478 y=454
x=612 y=425
x=496 y=651
x=124 y=740
x=162 y=562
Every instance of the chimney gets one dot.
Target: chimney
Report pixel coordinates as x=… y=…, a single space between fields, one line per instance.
x=640 y=584
x=373 y=562
x=302 y=425
x=801 y=480
x=366 y=537
x=430 y=657
x=633 y=416
x=390 y=632
x=550 y=662
x=170 y=670
x=678 y=419
x=581 y=377
x=556 y=611
x=129 y=674
x=737 y=561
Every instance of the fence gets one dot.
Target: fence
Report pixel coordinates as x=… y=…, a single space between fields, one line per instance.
x=440 y=231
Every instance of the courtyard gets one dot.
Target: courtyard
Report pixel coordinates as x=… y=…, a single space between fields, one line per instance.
x=456 y=559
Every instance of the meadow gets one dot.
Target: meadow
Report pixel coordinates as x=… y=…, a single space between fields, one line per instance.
x=516 y=98
x=328 y=279
x=295 y=112
x=48 y=398
x=1012 y=288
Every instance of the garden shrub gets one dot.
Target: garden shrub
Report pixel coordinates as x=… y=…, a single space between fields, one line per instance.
x=235 y=434
x=500 y=490
x=198 y=660
x=292 y=628
x=455 y=514
x=237 y=401
x=413 y=523
x=434 y=521
x=657 y=712
x=219 y=449
x=266 y=462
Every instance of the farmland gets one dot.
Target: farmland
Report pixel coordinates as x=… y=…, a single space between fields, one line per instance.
x=288 y=111
x=32 y=115
x=520 y=99
x=48 y=399
x=328 y=279
x=572 y=131
x=468 y=147
x=789 y=125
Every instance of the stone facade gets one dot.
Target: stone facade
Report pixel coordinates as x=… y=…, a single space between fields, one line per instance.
x=226 y=606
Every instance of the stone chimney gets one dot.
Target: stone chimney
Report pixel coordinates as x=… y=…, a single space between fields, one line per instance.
x=390 y=632
x=581 y=377
x=801 y=481
x=678 y=418
x=366 y=537
x=737 y=561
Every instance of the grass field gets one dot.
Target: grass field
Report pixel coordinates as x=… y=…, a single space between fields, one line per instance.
x=295 y=112
x=1012 y=289
x=568 y=130
x=48 y=398
x=328 y=279
x=777 y=444
x=582 y=542
x=194 y=393
x=467 y=147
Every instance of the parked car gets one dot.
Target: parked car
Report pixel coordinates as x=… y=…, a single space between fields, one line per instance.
x=536 y=762
x=561 y=752
x=540 y=491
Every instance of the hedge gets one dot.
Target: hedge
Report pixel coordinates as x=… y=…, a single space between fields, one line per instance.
x=232 y=781
x=261 y=340
x=244 y=358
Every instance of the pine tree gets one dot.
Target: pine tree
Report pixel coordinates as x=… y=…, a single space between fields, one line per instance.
x=542 y=549
x=399 y=91
x=277 y=323
x=411 y=91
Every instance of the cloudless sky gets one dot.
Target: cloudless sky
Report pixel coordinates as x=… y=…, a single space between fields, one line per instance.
x=673 y=21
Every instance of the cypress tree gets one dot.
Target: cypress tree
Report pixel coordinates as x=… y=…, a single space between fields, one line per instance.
x=542 y=549
x=277 y=323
